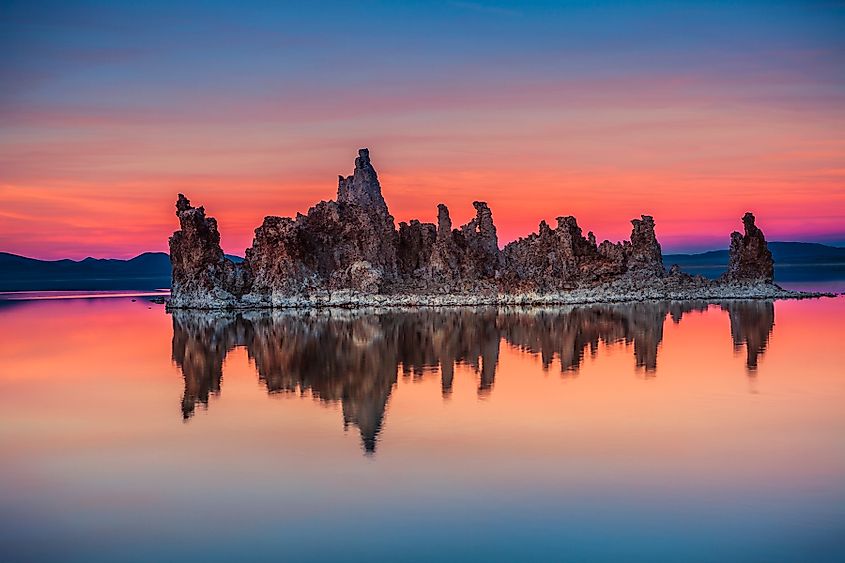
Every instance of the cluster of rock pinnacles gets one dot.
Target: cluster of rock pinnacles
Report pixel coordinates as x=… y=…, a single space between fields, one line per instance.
x=353 y=244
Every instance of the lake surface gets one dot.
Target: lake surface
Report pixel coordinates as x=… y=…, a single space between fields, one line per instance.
x=647 y=432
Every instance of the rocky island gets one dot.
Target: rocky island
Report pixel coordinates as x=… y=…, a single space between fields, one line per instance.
x=348 y=252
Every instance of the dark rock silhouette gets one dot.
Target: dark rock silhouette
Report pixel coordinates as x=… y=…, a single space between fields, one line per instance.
x=752 y=323
x=563 y=258
x=348 y=252
x=337 y=357
x=749 y=258
x=349 y=243
x=200 y=344
x=200 y=270
x=354 y=357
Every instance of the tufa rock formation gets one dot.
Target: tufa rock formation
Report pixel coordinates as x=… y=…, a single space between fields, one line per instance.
x=345 y=244
x=348 y=252
x=200 y=270
x=563 y=259
x=750 y=259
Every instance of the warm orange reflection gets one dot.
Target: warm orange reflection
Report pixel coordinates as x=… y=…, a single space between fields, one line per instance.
x=612 y=407
x=353 y=357
x=85 y=349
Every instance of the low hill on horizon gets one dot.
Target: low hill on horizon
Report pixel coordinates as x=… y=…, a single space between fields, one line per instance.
x=782 y=252
x=794 y=261
x=150 y=270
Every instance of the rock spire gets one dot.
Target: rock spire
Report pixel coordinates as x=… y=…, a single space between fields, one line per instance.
x=749 y=257
x=350 y=251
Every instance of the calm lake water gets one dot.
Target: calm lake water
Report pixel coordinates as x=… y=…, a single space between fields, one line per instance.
x=649 y=432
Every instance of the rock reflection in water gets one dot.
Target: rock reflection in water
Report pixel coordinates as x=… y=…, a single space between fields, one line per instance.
x=353 y=357
x=751 y=325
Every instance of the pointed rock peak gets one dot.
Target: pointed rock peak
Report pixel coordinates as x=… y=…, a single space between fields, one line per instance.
x=748 y=223
x=182 y=204
x=568 y=223
x=362 y=188
x=363 y=159
x=749 y=257
x=645 y=252
x=484 y=227
x=444 y=222
x=190 y=215
x=643 y=231
x=483 y=220
x=645 y=221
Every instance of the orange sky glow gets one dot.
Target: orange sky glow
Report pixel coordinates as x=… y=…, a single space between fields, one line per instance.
x=96 y=138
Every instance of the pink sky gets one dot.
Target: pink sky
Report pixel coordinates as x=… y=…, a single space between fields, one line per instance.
x=594 y=113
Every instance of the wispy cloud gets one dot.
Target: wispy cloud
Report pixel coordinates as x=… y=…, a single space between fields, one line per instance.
x=561 y=108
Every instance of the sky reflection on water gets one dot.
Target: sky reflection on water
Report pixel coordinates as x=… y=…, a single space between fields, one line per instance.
x=645 y=432
x=355 y=357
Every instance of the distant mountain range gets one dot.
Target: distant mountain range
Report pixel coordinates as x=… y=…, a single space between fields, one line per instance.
x=150 y=270
x=794 y=261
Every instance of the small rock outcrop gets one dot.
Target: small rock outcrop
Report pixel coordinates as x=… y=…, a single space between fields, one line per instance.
x=349 y=252
x=201 y=272
x=645 y=253
x=564 y=259
x=749 y=259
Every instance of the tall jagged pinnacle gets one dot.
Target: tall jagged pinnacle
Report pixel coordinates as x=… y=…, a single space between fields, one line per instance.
x=346 y=250
x=645 y=250
x=182 y=204
x=444 y=222
x=362 y=187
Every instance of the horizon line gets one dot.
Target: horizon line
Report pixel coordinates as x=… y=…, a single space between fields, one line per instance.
x=837 y=244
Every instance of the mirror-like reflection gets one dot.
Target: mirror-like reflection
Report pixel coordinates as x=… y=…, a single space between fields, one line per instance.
x=505 y=435
x=751 y=325
x=354 y=357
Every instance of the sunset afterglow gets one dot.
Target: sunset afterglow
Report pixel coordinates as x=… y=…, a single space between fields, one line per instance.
x=691 y=114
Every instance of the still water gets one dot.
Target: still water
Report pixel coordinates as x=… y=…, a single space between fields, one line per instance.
x=648 y=432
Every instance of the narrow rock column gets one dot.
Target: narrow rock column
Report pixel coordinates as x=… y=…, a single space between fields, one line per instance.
x=749 y=257
x=362 y=187
x=202 y=275
x=645 y=252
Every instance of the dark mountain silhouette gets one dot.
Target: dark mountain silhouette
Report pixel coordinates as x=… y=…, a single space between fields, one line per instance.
x=150 y=270
x=794 y=261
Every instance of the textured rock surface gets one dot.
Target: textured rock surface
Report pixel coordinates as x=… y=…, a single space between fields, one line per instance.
x=348 y=252
x=201 y=273
x=564 y=259
x=345 y=244
x=750 y=259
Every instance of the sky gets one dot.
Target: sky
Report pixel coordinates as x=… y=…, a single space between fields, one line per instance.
x=691 y=112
